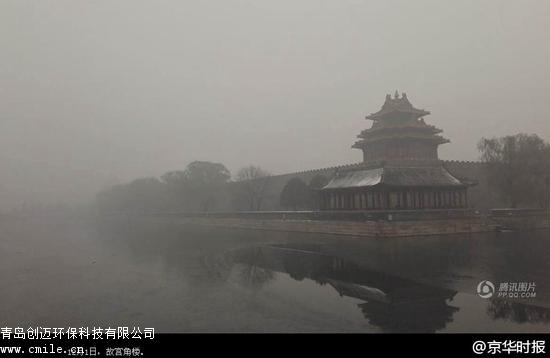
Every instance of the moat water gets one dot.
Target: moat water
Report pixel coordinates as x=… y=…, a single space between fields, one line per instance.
x=60 y=272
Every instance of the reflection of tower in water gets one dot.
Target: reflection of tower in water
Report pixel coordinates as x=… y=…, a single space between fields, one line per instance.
x=394 y=304
x=420 y=315
x=391 y=303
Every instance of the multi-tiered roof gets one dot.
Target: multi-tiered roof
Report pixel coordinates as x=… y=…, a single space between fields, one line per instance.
x=401 y=168
x=399 y=121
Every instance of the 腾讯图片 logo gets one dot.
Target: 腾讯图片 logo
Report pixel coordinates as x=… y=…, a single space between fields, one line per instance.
x=521 y=290
x=485 y=289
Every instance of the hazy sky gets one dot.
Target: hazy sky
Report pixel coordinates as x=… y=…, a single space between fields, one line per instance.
x=98 y=92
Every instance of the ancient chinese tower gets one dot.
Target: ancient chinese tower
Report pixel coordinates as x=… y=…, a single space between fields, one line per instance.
x=400 y=169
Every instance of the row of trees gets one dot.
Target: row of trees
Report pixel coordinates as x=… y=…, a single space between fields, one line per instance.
x=196 y=188
x=201 y=187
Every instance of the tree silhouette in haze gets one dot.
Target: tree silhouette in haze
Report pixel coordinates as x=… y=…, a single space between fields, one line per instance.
x=176 y=185
x=253 y=184
x=315 y=184
x=295 y=194
x=519 y=168
x=197 y=188
x=143 y=194
x=205 y=181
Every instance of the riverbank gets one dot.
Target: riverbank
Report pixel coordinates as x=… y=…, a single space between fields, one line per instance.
x=370 y=224
x=363 y=223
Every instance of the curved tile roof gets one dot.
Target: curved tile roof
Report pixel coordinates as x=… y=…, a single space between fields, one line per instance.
x=394 y=176
x=397 y=104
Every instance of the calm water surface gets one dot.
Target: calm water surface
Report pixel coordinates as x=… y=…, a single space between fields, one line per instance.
x=76 y=272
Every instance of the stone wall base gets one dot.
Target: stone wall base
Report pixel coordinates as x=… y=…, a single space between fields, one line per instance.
x=523 y=222
x=366 y=228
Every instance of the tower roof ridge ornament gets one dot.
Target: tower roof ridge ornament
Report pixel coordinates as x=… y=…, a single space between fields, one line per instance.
x=397 y=105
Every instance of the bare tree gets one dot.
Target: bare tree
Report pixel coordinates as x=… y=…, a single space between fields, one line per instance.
x=519 y=168
x=253 y=181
